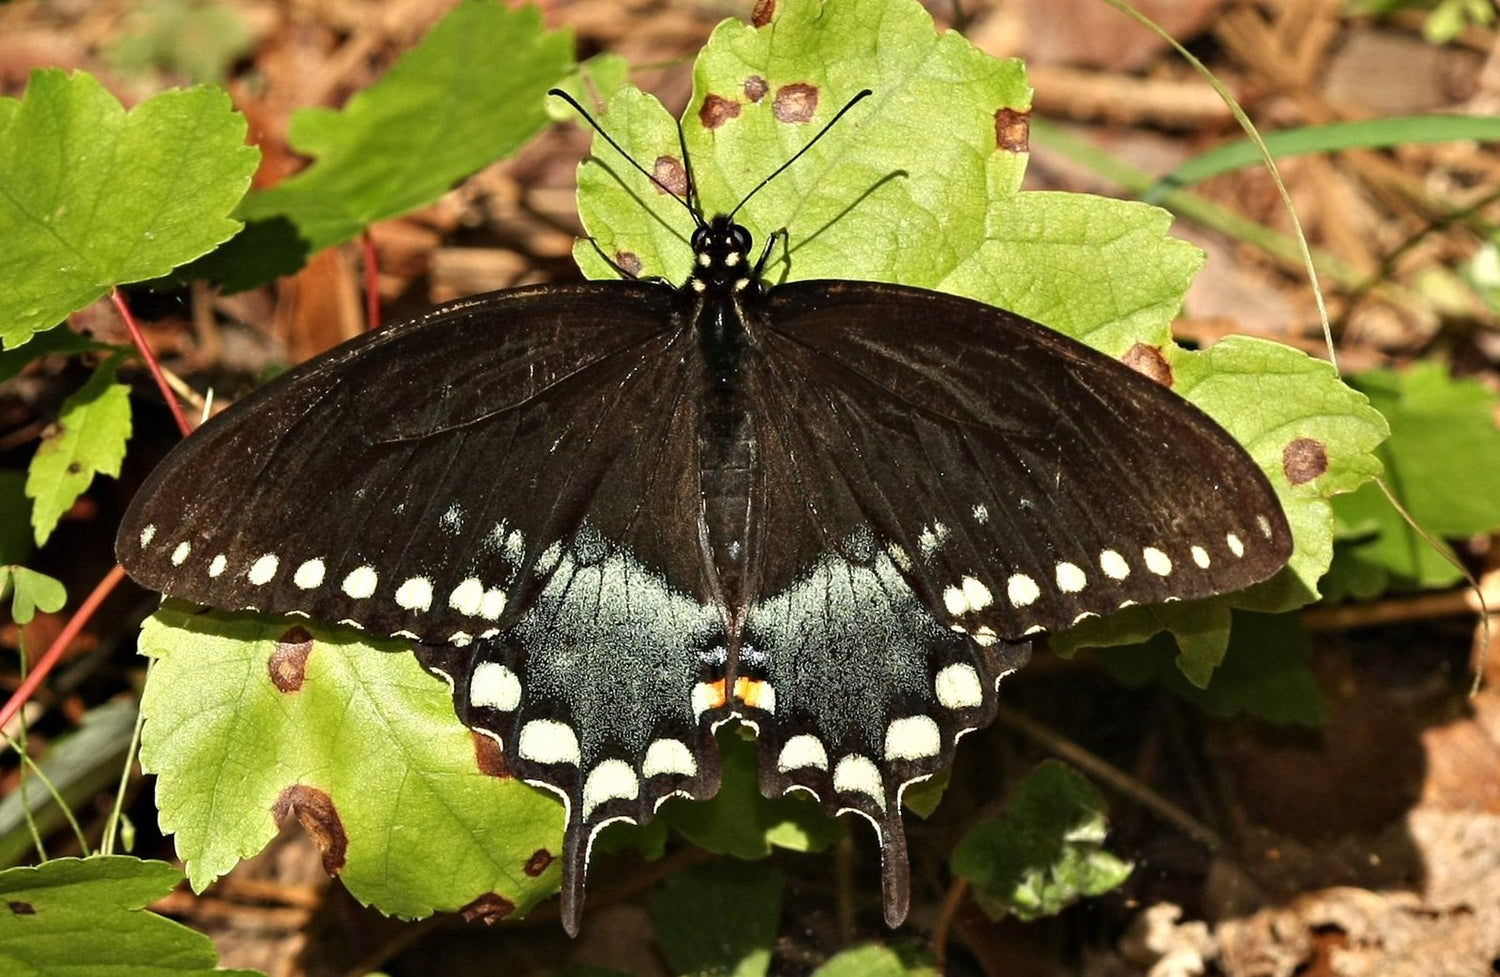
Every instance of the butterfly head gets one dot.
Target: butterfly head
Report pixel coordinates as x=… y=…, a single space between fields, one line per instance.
x=721 y=256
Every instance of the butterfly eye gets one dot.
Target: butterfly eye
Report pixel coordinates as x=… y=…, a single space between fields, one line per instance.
x=739 y=238
x=699 y=240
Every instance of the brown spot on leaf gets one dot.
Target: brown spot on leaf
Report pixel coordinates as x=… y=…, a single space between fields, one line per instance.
x=1147 y=359
x=795 y=103
x=1012 y=130
x=629 y=262
x=489 y=758
x=718 y=110
x=488 y=908
x=288 y=662
x=74 y=468
x=763 y=12
x=756 y=88
x=671 y=174
x=320 y=819
x=538 y=862
x=1304 y=460
x=19 y=908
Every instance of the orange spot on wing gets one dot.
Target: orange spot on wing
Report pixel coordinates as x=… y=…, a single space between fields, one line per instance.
x=749 y=691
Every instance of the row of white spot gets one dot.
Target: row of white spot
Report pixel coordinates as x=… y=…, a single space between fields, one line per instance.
x=1022 y=590
x=470 y=597
x=493 y=685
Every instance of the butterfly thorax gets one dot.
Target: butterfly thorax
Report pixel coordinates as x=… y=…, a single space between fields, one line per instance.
x=725 y=294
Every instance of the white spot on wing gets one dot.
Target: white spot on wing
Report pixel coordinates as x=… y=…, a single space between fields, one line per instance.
x=218 y=565
x=547 y=741
x=703 y=696
x=857 y=774
x=515 y=546
x=460 y=639
x=1070 y=579
x=492 y=605
x=977 y=594
x=147 y=535
x=1022 y=590
x=309 y=575
x=467 y=597
x=493 y=686
x=985 y=636
x=899 y=556
x=180 y=554
x=1236 y=546
x=361 y=582
x=1113 y=565
x=669 y=756
x=264 y=569
x=932 y=539
x=1265 y=526
x=1157 y=562
x=452 y=519
x=958 y=687
x=415 y=594
x=912 y=738
x=1200 y=557
x=953 y=600
x=801 y=752
x=547 y=562
x=610 y=780
x=981 y=514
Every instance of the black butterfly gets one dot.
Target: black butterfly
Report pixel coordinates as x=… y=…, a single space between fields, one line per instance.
x=616 y=515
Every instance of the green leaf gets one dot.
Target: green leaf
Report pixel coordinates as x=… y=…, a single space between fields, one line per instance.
x=872 y=960
x=1266 y=672
x=692 y=914
x=88 y=439
x=1442 y=462
x=245 y=714
x=92 y=197
x=472 y=92
x=30 y=591
x=1046 y=853
x=1383 y=133
x=739 y=821
x=86 y=916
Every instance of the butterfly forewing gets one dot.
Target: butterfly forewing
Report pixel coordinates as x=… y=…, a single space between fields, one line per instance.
x=1019 y=480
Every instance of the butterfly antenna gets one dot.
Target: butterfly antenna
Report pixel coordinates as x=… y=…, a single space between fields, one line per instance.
x=629 y=159
x=798 y=154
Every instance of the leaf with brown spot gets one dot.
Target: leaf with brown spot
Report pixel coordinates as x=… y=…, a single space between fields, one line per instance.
x=316 y=812
x=756 y=88
x=20 y=908
x=763 y=12
x=368 y=756
x=288 y=661
x=489 y=909
x=1146 y=359
x=718 y=110
x=1303 y=460
x=670 y=171
x=538 y=862
x=797 y=102
x=489 y=758
x=1012 y=130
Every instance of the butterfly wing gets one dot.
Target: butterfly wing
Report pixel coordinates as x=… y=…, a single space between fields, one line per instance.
x=945 y=479
x=532 y=522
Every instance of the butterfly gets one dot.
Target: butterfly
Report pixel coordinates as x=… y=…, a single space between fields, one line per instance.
x=616 y=515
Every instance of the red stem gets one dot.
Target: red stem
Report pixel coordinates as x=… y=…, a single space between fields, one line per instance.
x=60 y=644
x=136 y=335
x=372 y=281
